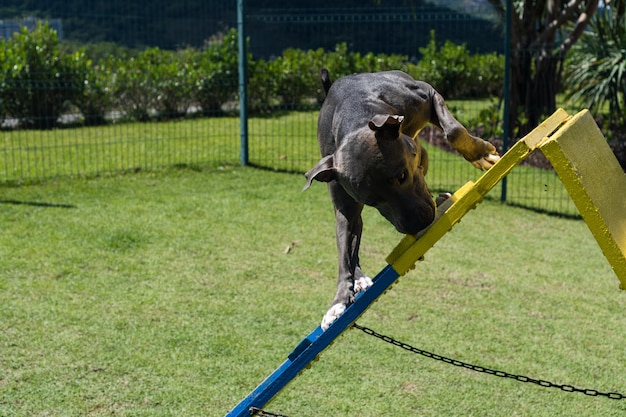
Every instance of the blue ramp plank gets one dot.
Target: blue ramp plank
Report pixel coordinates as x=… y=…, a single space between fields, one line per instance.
x=311 y=346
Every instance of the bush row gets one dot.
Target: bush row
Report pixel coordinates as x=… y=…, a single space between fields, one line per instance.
x=40 y=81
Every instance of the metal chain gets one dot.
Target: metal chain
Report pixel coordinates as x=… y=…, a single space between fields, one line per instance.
x=254 y=411
x=502 y=374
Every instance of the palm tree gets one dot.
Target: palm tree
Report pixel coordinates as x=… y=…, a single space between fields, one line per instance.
x=597 y=68
x=542 y=33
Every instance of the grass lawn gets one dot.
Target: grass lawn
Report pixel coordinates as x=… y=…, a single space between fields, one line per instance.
x=286 y=143
x=172 y=293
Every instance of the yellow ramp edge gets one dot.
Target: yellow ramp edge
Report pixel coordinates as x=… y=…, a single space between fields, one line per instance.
x=596 y=183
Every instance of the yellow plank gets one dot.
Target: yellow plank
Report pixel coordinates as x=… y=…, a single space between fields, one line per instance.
x=546 y=128
x=412 y=248
x=596 y=183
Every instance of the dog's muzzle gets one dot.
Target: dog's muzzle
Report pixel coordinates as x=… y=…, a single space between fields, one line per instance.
x=410 y=221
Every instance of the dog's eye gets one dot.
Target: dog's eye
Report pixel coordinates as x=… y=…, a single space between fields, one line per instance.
x=399 y=179
x=402 y=177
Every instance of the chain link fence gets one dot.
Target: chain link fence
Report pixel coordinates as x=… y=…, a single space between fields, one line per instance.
x=157 y=86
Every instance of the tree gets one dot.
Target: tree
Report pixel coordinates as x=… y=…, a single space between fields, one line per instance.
x=542 y=33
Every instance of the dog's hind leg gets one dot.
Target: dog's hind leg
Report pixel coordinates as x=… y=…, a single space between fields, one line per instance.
x=479 y=152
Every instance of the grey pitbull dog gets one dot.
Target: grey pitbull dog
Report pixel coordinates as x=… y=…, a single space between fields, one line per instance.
x=367 y=132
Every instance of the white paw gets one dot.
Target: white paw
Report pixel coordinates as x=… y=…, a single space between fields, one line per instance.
x=487 y=162
x=332 y=314
x=362 y=284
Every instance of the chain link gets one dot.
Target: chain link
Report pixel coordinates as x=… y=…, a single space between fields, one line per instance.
x=254 y=411
x=501 y=374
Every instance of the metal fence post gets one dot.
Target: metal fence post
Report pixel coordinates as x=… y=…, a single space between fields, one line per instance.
x=506 y=128
x=243 y=82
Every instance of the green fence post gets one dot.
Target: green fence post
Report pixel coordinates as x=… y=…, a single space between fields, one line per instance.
x=243 y=82
x=506 y=128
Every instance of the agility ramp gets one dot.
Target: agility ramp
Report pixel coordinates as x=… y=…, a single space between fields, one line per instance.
x=585 y=164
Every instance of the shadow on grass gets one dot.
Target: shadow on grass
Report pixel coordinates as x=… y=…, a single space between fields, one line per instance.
x=37 y=204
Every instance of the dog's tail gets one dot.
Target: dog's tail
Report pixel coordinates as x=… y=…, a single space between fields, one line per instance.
x=325 y=79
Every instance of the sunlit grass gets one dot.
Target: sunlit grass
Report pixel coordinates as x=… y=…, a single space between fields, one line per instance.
x=173 y=293
x=287 y=142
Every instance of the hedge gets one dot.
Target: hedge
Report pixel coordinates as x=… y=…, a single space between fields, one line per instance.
x=40 y=80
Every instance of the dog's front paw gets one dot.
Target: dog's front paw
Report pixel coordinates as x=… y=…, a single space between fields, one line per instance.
x=441 y=198
x=332 y=314
x=486 y=162
x=362 y=284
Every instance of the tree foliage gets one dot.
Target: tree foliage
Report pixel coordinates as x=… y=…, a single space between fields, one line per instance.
x=542 y=33
x=596 y=71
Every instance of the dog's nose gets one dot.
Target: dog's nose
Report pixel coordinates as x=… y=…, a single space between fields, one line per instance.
x=418 y=219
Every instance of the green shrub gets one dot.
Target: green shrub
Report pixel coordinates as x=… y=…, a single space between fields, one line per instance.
x=94 y=98
x=4 y=67
x=296 y=74
x=176 y=74
x=488 y=123
x=217 y=77
x=371 y=62
x=339 y=62
x=262 y=87
x=487 y=75
x=133 y=84
x=155 y=84
x=454 y=72
x=98 y=51
x=38 y=81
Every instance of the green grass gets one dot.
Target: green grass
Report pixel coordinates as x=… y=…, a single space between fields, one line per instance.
x=32 y=154
x=287 y=143
x=469 y=109
x=171 y=293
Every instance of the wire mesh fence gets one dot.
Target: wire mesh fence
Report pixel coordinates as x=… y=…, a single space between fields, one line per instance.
x=157 y=86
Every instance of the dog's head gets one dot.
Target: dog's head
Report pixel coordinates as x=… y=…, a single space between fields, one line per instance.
x=379 y=166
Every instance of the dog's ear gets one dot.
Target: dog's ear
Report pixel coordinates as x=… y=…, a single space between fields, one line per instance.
x=386 y=126
x=323 y=171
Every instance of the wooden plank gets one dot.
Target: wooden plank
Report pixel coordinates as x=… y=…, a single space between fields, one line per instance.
x=596 y=183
